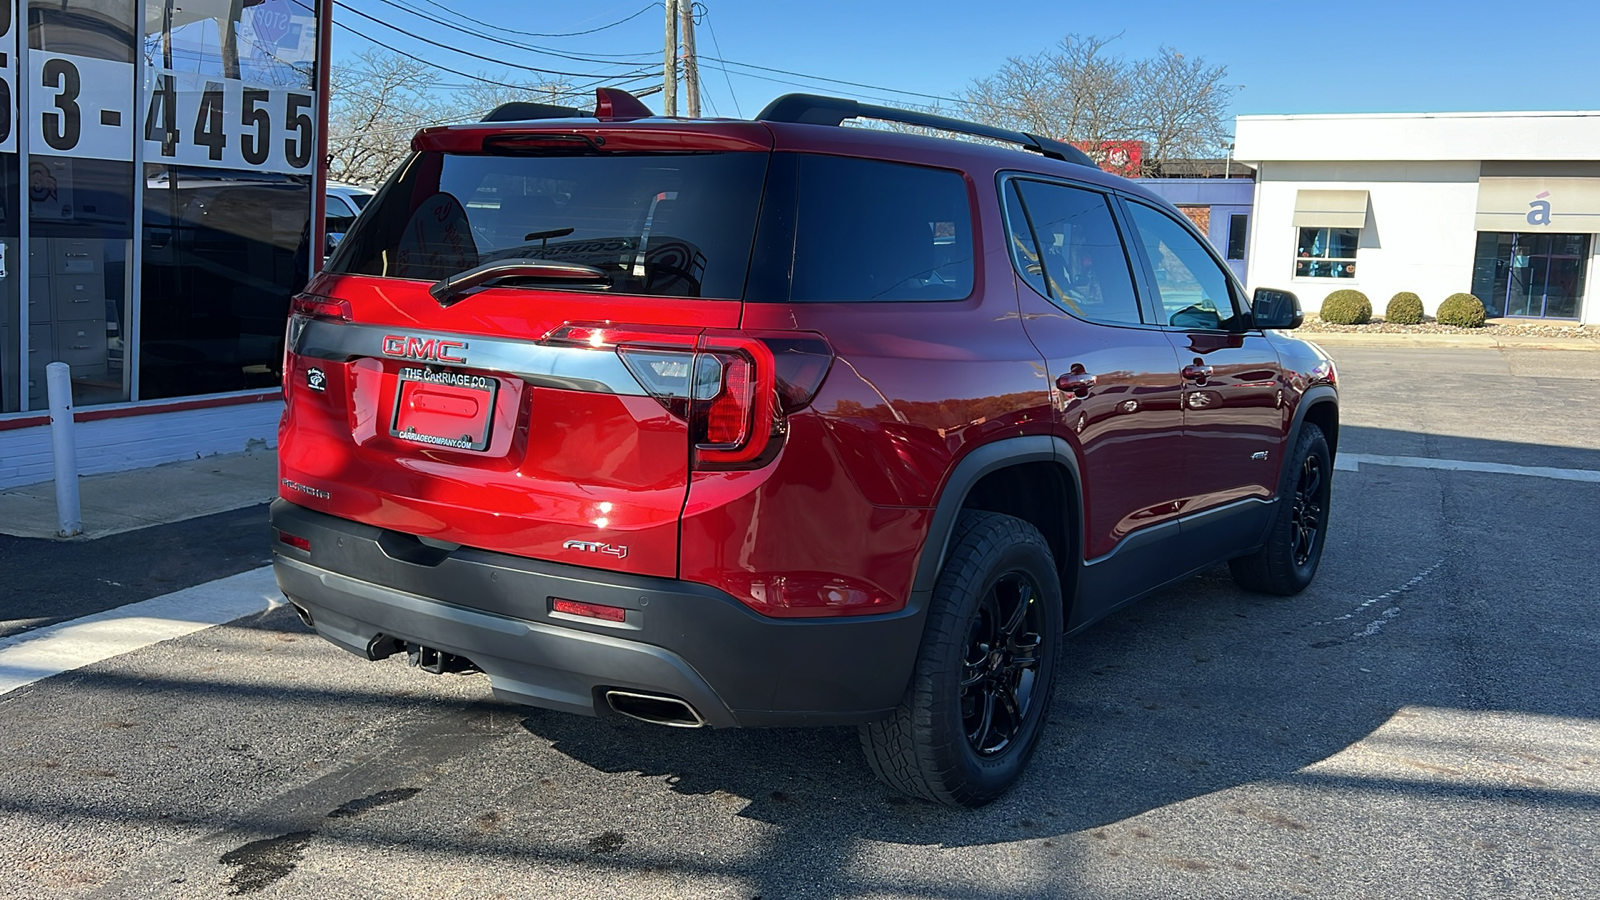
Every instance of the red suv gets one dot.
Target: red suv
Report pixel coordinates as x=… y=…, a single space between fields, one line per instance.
x=777 y=422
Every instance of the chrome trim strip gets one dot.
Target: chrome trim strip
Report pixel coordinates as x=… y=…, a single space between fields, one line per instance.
x=595 y=370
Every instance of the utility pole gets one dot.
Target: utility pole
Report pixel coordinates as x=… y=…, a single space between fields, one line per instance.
x=669 y=68
x=691 y=63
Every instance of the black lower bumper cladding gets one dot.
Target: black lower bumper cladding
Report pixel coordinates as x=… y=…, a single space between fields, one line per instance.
x=364 y=587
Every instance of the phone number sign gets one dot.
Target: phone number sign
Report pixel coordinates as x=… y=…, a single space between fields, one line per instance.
x=83 y=107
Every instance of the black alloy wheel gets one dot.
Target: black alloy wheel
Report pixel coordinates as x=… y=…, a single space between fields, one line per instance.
x=980 y=689
x=1001 y=666
x=1288 y=560
x=1306 y=515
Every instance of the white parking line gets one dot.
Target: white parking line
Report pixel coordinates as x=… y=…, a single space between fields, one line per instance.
x=34 y=655
x=1352 y=462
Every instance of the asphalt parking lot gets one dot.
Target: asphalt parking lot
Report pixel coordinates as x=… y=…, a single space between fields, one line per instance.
x=1422 y=722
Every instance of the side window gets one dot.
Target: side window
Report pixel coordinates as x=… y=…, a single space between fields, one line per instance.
x=1065 y=244
x=1193 y=291
x=867 y=230
x=1238 y=231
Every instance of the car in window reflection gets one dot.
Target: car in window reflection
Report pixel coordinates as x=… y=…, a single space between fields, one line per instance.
x=344 y=203
x=226 y=249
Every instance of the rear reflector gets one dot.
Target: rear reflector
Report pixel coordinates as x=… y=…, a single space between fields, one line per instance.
x=588 y=610
x=295 y=541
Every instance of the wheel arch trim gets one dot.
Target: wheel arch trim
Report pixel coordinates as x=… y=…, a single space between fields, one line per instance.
x=1315 y=395
x=966 y=474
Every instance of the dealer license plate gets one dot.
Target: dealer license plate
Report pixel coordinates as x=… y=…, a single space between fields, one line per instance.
x=444 y=408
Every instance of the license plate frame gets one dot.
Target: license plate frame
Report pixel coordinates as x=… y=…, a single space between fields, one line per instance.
x=431 y=399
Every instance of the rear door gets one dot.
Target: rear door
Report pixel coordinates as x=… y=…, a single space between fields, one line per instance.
x=1114 y=374
x=544 y=415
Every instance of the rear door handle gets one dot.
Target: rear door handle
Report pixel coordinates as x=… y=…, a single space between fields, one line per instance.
x=1198 y=373
x=1078 y=383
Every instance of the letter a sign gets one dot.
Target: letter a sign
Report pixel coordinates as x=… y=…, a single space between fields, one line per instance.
x=1539 y=210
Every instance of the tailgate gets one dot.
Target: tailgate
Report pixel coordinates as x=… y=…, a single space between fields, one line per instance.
x=491 y=419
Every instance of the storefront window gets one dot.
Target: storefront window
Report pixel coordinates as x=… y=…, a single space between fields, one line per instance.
x=227 y=199
x=1531 y=275
x=13 y=373
x=1327 y=253
x=80 y=194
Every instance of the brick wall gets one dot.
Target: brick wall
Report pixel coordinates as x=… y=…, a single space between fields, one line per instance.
x=1199 y=215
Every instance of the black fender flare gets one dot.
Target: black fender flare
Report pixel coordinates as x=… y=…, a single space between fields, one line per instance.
x=968 y=472
x=1315 y=395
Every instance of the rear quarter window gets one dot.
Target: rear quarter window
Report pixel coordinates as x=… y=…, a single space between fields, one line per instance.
x=863 y=231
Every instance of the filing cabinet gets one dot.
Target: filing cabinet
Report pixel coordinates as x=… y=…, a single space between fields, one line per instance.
x=66 y=314
x=66 y=310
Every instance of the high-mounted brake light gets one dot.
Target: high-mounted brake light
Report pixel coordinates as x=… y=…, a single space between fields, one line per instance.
x=321 y=307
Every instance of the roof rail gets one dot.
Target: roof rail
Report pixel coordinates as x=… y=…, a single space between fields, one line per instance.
x=812 y=109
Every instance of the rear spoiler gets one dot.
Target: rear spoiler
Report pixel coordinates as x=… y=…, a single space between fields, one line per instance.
x=610 y=105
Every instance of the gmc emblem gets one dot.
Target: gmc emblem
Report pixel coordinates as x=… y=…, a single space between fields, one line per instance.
x=431 y=349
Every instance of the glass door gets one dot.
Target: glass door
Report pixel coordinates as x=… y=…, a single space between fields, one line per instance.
x=1537 y=276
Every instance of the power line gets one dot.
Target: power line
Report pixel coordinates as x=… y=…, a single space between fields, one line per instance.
x=501 y=27
x=724 y=68
x=631 y=58
x=434 y=43
x=871 y=87
x=433 y=65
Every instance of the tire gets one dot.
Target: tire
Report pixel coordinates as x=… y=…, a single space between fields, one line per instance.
x=1288 y=561
x=938 y=745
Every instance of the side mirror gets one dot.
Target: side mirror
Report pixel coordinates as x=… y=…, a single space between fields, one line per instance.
x=1270 y=308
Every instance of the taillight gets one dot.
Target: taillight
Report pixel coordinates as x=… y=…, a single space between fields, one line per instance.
x=735 y=413
x=727 y=419
x=734 y=389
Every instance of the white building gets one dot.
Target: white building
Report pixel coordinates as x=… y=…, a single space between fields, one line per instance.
x=1502 y=205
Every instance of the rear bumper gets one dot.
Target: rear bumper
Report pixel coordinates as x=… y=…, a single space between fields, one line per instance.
x=690 y=641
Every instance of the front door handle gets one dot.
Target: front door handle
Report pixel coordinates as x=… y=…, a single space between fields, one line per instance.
x=1077 y=382
x=1198 y=373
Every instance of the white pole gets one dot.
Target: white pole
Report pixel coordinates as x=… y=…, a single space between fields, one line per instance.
x=69 y=510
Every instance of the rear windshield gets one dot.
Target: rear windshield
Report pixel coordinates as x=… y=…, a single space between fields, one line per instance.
x=677 y=225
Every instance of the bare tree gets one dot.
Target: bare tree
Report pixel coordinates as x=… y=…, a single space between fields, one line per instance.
x=481 y=97
x=1182 y=107
x=376 y=105
x=382 y=99
x=1081 y=92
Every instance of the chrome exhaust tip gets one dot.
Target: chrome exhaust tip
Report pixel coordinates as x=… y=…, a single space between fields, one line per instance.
x=657 y=709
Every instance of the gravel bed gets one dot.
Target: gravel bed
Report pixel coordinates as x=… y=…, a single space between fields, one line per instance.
x=1495 y=329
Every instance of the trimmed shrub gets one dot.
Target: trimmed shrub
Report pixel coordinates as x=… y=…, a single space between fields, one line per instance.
x=1346 y=307
x=1405 y=308
x=1463 y=310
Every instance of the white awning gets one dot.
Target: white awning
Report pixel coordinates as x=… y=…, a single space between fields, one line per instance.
x=1330 y=209
x=1558 y=205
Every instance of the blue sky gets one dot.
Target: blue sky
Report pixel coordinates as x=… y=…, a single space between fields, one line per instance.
x=1349 y=56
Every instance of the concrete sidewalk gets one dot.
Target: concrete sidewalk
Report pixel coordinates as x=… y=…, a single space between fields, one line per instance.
x=125 y=501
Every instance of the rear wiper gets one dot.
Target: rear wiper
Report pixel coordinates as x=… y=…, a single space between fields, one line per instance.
x=447 y=290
